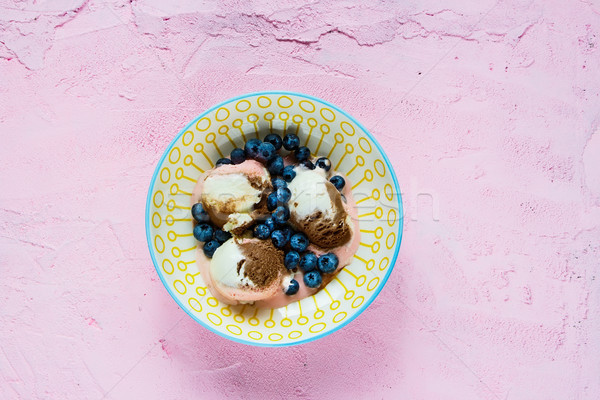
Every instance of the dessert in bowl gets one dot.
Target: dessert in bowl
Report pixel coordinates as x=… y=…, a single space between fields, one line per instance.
x=272 y=228
x=223 y=265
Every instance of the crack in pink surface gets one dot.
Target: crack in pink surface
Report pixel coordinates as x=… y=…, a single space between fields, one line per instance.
x=405 y=26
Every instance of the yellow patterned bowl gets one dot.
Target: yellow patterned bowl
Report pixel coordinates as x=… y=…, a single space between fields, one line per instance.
x=328 y=131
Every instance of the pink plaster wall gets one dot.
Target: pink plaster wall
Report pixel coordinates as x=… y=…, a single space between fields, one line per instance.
x=489 y=111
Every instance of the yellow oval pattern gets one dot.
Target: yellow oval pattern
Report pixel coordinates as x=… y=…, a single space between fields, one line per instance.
x=171 y=268
x=214 y=318
x=159 y=244
x=243 y=105
x=327 y=114
x=318 y=327
x=357 y=302
x=222 y=114
x=255 y=335
x=347 y=128
x=203 y=124
x=307 y=106
x=180 y=287
x=236 y=330
x=195 y=304
x=275 y=337
x=294 y=334
x=339 y=317
x=285 y=102
x=373 y=284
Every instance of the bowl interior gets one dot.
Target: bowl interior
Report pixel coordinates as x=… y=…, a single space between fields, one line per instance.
x=327 y=131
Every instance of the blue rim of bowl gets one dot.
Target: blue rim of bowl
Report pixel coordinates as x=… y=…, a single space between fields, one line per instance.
x=358 y=312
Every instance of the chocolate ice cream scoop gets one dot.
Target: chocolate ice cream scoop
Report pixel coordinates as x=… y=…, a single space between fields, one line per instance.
x=316 y=209
x=233 y=195
x=247 y=270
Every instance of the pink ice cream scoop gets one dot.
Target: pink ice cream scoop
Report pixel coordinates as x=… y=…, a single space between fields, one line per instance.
x=234 y=195
x=247 y=270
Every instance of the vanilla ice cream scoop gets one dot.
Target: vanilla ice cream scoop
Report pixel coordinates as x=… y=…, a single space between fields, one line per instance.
x=316 y=208
x=247 y=270
x=232 y=193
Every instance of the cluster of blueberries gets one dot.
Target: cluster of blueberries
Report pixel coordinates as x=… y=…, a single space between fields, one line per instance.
x=212 y=236
x=266 y=152
x=276 y=225
x=294 y=243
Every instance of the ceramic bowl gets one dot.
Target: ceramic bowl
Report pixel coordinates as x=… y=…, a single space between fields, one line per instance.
x=327 y=131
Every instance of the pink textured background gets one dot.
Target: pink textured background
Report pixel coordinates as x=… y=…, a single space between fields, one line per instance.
x=493 y=115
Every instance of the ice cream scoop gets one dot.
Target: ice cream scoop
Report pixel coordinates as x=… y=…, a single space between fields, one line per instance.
x=247 y=270
x=234 y=194
x=316 y=209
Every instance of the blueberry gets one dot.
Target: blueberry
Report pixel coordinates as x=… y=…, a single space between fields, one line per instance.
x=308 y=262
x=324 y=163
x=272 y=201
x=270 y=223
x=338 y=182
x=278 y=183
x=223 y=161
x=299 y=242
x=283 y=194
x=278 y=238
x=275 y=166
x=288 y=173
x=203 y=232
x=302 y=153
x=293 y=288
x=210 y=248
x=199 y=213
x=251 y=148
x=312 y=279
x=291 y=142
x=238 y=156
x=266 y=151
x=327 y=263
x=287 y=232
x=308 y=164
x=291 y=259
x=274 y=139
x=281 y=214
x=262 y=231
x=222 y=236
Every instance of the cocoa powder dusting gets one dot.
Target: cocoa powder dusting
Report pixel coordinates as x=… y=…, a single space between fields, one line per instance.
x=218 y=218
x=260 y=208
x=257 y=182
x=239 y=230
x=240 y=264
x=264 y=262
